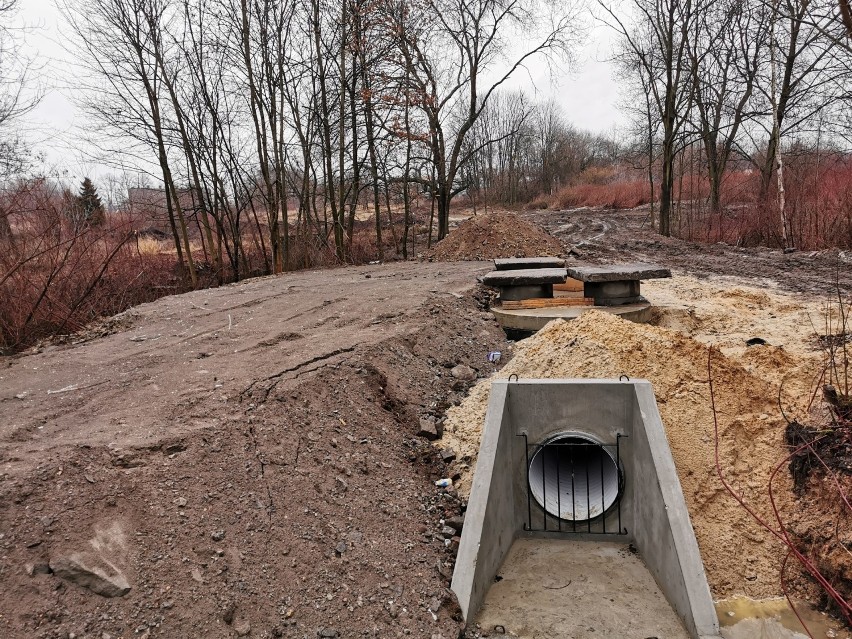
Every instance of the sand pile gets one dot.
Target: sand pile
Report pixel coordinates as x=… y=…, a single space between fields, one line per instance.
x=493 y=235
x=739 y=556
x=727 y=314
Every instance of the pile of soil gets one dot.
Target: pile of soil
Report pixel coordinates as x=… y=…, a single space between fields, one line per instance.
x=494 y=235
x=245 y=460
x=739 y=556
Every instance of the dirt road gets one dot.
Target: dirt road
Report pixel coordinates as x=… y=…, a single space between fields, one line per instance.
x=244 y=458
x=600 y=236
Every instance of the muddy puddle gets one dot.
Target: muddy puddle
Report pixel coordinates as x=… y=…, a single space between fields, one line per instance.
x=742 y=618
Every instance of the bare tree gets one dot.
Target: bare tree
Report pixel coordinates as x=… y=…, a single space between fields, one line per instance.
x=124 y=41
x=654 y=48
x=457 y=54
x=727 y=50
x=806 y=76
x=15 y=78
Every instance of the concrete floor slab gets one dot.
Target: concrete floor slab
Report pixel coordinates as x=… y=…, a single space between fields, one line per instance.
x=534 y=319
x=566 y=589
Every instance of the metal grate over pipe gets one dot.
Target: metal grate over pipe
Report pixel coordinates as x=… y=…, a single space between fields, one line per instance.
x=575 y=480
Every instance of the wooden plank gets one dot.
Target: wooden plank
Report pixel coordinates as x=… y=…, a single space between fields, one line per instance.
x=570 y=286
x=547 y=302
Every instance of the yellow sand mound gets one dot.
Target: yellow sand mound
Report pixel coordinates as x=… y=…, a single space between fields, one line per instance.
x=739 y=556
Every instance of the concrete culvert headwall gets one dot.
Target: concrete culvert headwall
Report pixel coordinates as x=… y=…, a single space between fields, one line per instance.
x=590 y=451
x=574 y=477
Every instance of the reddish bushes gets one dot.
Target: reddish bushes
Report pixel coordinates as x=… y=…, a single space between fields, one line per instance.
x=608 y=187
x=56 y=278
x=818 y=191
x=818 y=194
x=617 y=195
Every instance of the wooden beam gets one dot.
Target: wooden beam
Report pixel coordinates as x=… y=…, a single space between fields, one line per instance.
x=547 y=302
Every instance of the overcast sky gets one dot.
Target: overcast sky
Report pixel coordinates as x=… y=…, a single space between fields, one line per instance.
x=587 y=93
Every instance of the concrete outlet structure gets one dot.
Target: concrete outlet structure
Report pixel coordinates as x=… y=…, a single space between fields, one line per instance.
x=586 y=460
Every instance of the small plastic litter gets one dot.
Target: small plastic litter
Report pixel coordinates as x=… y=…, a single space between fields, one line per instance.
x=444 y=483
x=494 y=356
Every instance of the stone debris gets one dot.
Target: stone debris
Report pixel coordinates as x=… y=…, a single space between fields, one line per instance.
x=93 y=572
x=448 y=455
x=463 y=373
x=38 y=568
x=456 y=523
x=428 y=429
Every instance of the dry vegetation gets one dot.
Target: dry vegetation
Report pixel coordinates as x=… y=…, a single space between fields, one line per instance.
x=57 y=276
x=818 y=192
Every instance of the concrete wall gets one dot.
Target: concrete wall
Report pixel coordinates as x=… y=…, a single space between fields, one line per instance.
x=663 y=532
x=544 y=408
x=491 y=521
x=653 y=511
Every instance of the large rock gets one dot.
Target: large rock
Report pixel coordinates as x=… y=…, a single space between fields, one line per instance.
x=93 y=572
x=429 y=429
x=463 y=373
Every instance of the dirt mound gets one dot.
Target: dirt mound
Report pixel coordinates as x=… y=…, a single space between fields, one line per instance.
x=247 y=470
x=740 y=557
x=492 y=235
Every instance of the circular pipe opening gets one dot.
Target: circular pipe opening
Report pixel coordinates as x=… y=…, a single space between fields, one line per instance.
x=574 y=478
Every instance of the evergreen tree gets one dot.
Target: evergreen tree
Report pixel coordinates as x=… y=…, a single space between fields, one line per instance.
x=90 y=205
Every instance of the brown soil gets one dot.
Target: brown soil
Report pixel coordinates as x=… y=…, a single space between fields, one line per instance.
x=247 y=456
x=492 y=235
x=822 y=527
x=250 y=453
x=600 y=236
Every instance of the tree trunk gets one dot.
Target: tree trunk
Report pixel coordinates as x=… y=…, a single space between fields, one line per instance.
x=667 y=186
x=443 y=212
x=339 y=229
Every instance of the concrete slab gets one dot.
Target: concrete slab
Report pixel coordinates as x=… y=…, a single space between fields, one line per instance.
x=618 y=272
x=557 y=588
x=525 y=277
x=512 y=263
x=534 y=319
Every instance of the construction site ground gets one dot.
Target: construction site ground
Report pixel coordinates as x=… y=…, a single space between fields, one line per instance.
x=247 y=458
